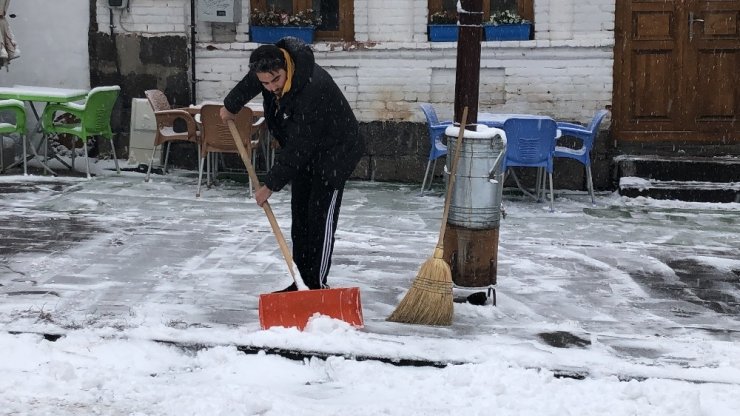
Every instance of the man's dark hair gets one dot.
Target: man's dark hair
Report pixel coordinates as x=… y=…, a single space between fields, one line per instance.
x=267 y=58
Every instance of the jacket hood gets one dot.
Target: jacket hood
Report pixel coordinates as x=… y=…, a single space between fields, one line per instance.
x=302 y=58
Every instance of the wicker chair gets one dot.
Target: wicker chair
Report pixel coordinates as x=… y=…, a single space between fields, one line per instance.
x=216 y=137
x=172 y=125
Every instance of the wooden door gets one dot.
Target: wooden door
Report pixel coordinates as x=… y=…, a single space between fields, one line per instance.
x=677 y=71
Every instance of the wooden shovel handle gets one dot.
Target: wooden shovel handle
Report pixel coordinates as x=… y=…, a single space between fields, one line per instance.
x=245 y=155
x=453 y=173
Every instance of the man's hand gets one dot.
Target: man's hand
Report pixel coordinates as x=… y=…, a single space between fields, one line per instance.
x=226 y=115
x=262 y=195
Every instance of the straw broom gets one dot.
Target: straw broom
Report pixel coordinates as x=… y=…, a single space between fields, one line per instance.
x=429 y=300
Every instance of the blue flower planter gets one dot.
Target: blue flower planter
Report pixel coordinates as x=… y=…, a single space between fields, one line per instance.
x=508 y=32
x=442 y=33
x=272 y=34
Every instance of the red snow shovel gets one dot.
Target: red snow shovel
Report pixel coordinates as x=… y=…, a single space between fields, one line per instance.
x=289 y=309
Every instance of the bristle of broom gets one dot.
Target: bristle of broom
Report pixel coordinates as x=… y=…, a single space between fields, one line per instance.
x=429 y=300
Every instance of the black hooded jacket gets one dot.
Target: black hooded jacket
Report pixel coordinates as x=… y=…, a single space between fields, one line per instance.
x=313 y=122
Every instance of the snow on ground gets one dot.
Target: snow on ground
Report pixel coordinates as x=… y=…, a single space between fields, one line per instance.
x=85 y=374
x=626 y=308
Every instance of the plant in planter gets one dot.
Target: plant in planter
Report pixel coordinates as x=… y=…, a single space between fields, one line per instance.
x=272 y=25
x=507 y=25
x=442 y=26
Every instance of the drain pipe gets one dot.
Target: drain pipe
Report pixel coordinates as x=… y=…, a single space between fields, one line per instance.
x=192 y=52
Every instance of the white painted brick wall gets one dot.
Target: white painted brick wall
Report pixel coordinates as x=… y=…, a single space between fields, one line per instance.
x=566 y=72
x=147 y=17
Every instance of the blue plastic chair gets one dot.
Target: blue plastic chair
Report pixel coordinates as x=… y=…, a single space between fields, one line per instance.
x=438 y=149
x=530 y=143
x=587 y=136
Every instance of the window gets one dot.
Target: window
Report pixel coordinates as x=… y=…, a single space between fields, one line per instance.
x=337 y=15
x=525 y=8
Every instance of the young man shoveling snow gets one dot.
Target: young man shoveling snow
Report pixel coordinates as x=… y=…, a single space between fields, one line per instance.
x=319 y=146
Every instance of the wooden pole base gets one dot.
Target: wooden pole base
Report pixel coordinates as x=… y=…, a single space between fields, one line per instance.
x=472 y=255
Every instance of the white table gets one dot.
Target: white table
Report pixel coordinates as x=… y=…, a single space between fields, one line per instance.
x=34 y=94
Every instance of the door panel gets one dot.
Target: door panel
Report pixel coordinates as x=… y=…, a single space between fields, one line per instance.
x=653 y=60
x=714 y=51
x=652 y=25
x=719 y=25
x=653 y=88
x=677 y=73
x=715 y=96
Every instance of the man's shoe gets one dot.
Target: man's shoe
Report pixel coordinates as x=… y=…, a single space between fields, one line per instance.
x=291 y=288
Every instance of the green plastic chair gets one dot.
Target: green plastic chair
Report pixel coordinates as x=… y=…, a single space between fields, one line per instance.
x=19 y=127
x=94 y=115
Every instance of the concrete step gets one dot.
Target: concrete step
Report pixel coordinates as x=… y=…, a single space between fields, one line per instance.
x=662 y=168
x=696 y=191
x=701 y=179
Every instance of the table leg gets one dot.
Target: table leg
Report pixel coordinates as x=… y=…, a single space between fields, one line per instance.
x=35 y=149
x=43 y=142
x=35 y=154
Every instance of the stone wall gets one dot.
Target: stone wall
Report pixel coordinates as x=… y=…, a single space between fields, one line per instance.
x=390 y=67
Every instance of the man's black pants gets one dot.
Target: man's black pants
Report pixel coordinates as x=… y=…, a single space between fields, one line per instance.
x=315 y=210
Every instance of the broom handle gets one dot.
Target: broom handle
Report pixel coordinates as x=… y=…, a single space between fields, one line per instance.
x=451 y=182
x=266 y=206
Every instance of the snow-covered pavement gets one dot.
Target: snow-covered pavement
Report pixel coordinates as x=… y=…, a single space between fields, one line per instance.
x=638 y=290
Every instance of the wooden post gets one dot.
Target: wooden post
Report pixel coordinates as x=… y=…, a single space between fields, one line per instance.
x=467 y=77
x=472 y=254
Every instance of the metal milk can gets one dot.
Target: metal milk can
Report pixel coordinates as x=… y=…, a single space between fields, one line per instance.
x=471 y=237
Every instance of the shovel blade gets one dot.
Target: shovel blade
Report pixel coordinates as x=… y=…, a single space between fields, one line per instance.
x=288 y=309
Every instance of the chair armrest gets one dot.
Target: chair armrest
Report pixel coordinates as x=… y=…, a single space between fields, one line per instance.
x=193 y=111
x=443 y=124
x=257 y=129
x=438 y=130
x=18 y=108
x=172 y=114
x=166 y=118
x=585 y=137
x=575 y=131
x=12 y=105
x=47 y=118
x=563 y=124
